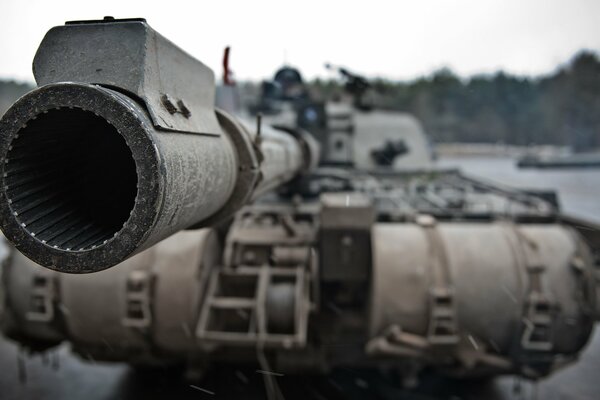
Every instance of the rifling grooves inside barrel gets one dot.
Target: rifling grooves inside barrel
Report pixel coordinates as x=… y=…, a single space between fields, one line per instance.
x=70 y=179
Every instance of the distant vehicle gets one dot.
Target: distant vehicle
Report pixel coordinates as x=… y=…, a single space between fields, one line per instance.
x=577 y=160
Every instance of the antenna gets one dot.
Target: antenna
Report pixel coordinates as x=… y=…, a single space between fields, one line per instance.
x=227 y=74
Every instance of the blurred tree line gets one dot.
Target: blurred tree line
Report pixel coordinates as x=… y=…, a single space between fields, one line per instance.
x=11 y=91
x=562 y=108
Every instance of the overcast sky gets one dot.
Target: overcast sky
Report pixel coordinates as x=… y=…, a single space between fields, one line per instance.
x=393 y=39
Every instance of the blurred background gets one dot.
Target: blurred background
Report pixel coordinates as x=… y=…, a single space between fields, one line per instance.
x=506 y=90
x=499 y=72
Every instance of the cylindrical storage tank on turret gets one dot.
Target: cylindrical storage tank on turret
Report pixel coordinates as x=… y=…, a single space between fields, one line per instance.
x=491 y=293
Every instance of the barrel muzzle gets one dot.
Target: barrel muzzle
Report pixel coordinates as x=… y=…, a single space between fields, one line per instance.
x=80 y=181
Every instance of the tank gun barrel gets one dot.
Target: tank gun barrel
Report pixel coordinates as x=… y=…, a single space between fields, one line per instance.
x=120 y=147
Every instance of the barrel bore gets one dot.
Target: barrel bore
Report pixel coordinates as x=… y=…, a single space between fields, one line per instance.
x=70 y=179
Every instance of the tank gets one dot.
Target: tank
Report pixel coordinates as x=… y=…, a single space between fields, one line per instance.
x=147 y=226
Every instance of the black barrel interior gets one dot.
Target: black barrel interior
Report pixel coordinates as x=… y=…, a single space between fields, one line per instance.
x=70 y=179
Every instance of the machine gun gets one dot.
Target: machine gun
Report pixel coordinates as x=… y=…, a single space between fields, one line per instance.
x=120 y=158
x=356 y=85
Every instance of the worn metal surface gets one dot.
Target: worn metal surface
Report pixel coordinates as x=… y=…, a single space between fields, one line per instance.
x=30 y=311
x=157 y=182
x=151 y=301
x=494 y=299
x=178 y=179
x=264 y=291
x=129 y=55
x=181 y=302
